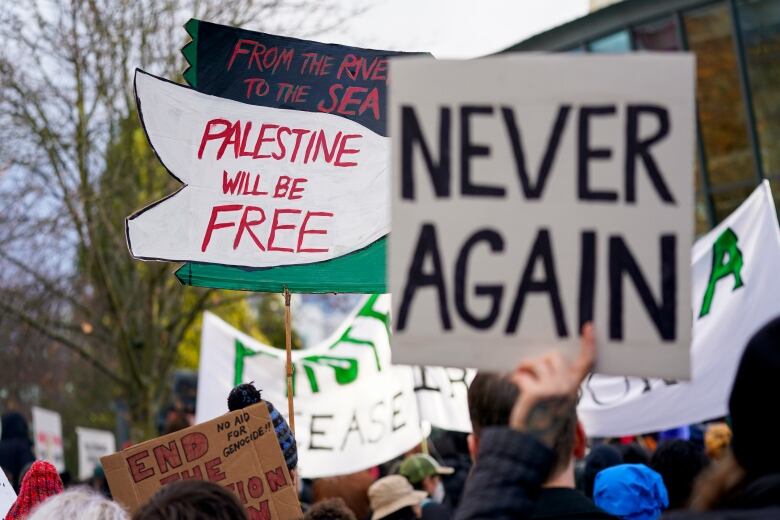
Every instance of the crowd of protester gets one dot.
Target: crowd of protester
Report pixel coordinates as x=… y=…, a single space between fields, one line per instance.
x=527 y=457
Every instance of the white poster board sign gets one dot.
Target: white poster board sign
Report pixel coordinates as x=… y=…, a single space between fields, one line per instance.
x=47 y=429
x=93 y=444
x=735 y=288
x=7 y=494
x=263 y=186
x=533 y=193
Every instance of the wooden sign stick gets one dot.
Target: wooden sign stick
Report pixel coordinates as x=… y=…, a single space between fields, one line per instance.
x=288 y=348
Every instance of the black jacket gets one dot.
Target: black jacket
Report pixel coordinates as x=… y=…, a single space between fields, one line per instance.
x=566 y=504
x=506 y=480
x=433 y=511
x=15 y=447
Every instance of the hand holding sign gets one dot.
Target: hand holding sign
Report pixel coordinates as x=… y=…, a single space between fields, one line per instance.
x=548 y=388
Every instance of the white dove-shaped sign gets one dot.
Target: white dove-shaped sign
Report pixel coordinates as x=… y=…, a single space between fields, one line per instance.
x=262 y=186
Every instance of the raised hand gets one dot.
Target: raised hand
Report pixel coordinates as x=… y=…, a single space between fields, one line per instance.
x=548 y=389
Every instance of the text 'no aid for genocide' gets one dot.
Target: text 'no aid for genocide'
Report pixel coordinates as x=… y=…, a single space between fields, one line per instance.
x=532 y=194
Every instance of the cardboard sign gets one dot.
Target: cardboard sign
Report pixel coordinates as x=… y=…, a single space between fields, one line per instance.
x=47 y=429
x=7 y=494
x=93 y=445
x=534 y=193
x=263 y=186
x=238 y=450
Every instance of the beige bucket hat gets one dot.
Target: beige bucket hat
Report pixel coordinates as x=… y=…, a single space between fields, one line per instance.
x=389 y=494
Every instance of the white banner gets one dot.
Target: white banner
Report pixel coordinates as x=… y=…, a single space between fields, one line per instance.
x=735 y=292
x=353 y=409
x=533 y=193
x=47 y=429
x=442 y=396
x=263 y=186
x=7 y=495
x=93 y=444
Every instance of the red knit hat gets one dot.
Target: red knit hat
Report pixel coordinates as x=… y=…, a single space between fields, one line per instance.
x=40 y=482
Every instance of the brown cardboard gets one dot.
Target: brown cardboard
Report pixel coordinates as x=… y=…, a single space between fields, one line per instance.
x=238 y=450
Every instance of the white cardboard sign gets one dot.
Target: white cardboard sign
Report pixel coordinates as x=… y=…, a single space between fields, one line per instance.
x=7 y=495
x=533 y=193
x=93 y=444
x=263 y=186
x=47 y=428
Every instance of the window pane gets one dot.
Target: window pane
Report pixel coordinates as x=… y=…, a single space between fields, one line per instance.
x=660 y=35
x=702 y=224
x=721 y=108
x=617 y=42
x=760 y=23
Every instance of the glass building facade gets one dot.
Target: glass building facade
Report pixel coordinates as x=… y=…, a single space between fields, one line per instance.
x=737 y=47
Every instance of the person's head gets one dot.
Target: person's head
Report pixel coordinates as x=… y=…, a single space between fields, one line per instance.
x=600 y=457
x=392 y=497
x=633 y=453
x=246 y=395
x=192 y=500
x=330 y=509
x=630 y=492
x=39 y=483
x=14 y=427
x=79 y=504
x=754 y=426
x=717 y=439
x=424 y=474
x=679 y=463
x=491 y=397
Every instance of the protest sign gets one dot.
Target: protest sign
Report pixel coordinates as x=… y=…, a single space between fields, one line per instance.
x=735 y=288
x=263 y=186
x=47 y=429
x=353 y=410
x=286 y=199
x=7 y=495
x=238 y=451
x=282 y=72
x=93 y=445
x=534 y=193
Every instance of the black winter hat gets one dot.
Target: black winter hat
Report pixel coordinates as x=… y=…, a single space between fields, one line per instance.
x=246 y=395
x=753 y=404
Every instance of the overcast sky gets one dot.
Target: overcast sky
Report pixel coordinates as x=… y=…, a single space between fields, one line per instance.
x=453 y=28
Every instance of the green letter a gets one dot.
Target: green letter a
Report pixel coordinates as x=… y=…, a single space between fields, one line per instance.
x=724 y=248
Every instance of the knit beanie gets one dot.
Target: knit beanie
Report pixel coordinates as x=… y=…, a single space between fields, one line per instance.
x=754 y=421
x=246 y=395
x=40 y=482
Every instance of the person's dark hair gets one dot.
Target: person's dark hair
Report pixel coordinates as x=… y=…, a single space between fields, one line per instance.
x=405 y=513
x=600 y=457
x=245 y=395
x=192 y=500
x=491 y=398
x=633 y=453
x=330 y=509
x=679 y=463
